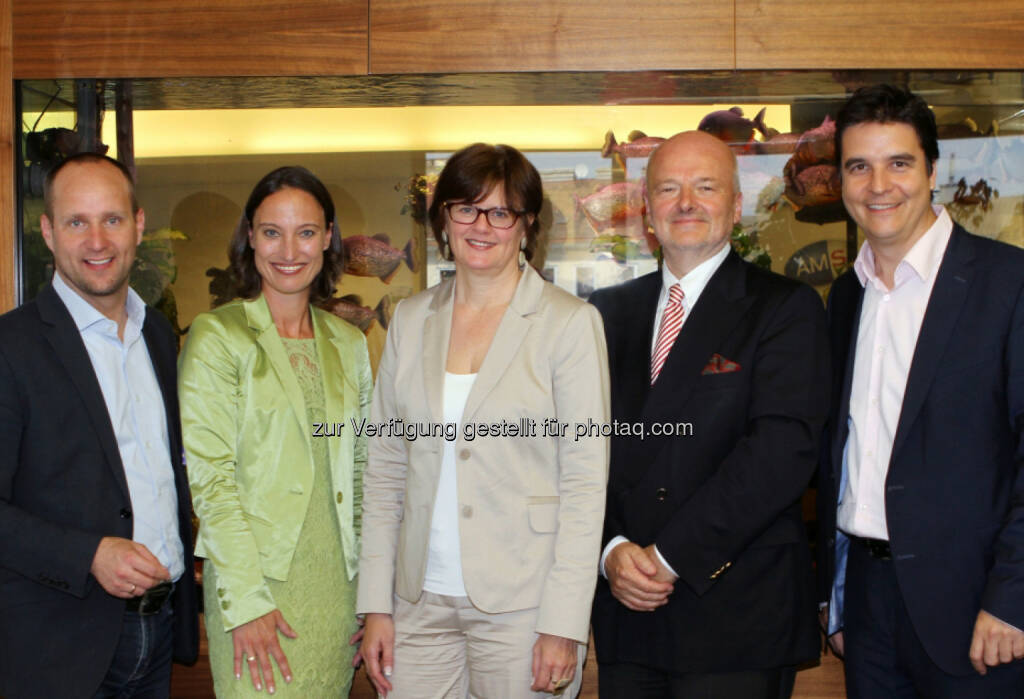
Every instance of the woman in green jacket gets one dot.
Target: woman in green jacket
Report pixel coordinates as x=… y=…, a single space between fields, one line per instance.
x=279 y=506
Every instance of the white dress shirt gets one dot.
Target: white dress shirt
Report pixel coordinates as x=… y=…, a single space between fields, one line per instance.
x=444 y=557
x=135 y=406
x=693 y=284
x=890 y=321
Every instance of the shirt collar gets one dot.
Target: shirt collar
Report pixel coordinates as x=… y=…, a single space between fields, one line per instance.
x=85 y=315
x=694 y=281
x=922 y=260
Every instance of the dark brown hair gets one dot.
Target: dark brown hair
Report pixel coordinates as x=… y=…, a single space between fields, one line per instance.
x=471 y=174
x=82 y=158
x=245 y=276
x=885 y=104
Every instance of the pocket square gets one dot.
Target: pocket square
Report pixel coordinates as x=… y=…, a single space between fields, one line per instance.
x=719 y=365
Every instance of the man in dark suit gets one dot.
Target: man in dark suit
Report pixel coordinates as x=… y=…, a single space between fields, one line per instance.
x=96 y=576
x=922 y=483
x=707 y=586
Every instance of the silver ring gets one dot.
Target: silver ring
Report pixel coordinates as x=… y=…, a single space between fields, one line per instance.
x=133 y=588
x=251 y=658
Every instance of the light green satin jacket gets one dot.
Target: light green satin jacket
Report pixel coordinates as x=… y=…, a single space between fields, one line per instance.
x=248 y=445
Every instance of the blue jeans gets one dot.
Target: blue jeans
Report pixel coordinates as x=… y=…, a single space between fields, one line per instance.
x=141 y=668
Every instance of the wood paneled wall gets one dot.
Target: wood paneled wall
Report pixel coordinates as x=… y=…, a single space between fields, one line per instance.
x=900 y=34
x=171 y=38
x=7 y=243
x=414 y=36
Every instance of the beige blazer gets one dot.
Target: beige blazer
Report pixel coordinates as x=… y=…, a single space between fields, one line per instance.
x=530 y=507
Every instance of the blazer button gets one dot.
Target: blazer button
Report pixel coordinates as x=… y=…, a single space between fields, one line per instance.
x=126 y=513
x=339 y=497
x=661 y=494
x=225 y=604
x=467 y=511
x=464 y=454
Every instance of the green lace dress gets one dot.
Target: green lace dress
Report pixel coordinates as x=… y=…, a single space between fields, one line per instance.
x=317 y=600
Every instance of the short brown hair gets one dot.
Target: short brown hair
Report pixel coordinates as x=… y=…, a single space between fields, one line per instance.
x=245 y=277
x=82 y=158
x=889 y=104
x=470 y=175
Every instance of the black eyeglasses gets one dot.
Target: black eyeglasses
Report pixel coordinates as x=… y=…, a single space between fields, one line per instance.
x=497 y=216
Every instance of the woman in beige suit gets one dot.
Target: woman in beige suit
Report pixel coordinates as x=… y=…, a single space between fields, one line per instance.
x=482 y=508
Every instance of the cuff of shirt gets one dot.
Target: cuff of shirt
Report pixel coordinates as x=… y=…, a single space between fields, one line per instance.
x=993 y=616
x=621 y=539
x=608 y=549
x=664 y=562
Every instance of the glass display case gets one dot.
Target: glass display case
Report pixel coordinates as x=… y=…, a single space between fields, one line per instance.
x=199 y=145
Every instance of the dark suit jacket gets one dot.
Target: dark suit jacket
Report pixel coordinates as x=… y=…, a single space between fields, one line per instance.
x=954 y=493
x=63 y=488
x=722 y=505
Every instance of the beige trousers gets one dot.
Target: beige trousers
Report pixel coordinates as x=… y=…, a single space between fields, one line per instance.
x=445 y=648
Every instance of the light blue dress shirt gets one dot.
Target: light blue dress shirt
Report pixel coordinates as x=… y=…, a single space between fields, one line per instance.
x=135 y=406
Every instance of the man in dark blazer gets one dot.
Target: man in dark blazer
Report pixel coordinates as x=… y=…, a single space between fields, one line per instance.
x=922 y=482
x=91 y=460
x=707 y=585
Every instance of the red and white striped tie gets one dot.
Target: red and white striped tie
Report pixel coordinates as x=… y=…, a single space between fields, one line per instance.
x=671 y=321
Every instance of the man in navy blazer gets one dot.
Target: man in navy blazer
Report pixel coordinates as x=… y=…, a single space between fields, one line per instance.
x=921 y=492
x=97 y=589
x=707 y=583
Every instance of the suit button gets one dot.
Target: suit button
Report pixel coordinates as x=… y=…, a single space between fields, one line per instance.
x=464 y=454
x=467 y=511
x=339 y=497
x=661 y=494
x=221 y=592
x=225 y=604
x=126 y=513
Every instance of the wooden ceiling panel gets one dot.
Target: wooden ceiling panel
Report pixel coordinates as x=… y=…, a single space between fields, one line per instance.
x=169 y=38
x=413 y=36
x=883 y=34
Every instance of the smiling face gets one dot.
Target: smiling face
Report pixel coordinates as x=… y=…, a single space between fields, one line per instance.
x=886 y=184
x=288 y=239
x=479 y=247
x=692 y=201
x=93 y=232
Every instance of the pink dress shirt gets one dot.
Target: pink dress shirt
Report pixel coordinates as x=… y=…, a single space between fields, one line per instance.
x=890 y=321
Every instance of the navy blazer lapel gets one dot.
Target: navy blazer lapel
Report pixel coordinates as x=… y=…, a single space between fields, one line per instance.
x=845 y=313
x=162 y=357
x=947 y=299
x=157 y=348
x=720 y=307
x=63 y=336
x=629 y=347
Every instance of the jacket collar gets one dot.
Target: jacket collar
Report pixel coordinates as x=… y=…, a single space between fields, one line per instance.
x=507 y=339
x=67 y=344
x=257 y=314
x=955 y=275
